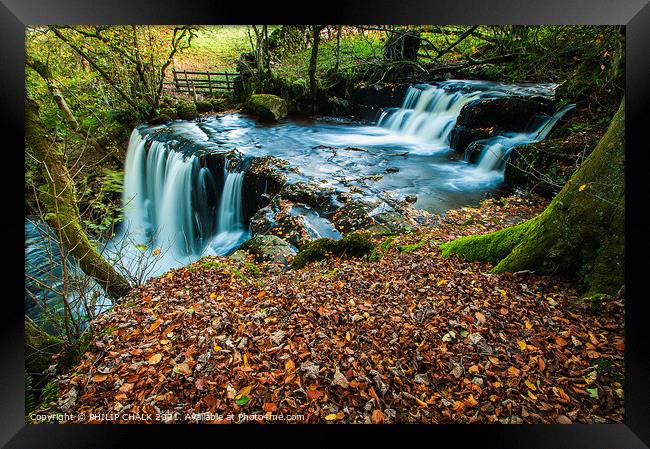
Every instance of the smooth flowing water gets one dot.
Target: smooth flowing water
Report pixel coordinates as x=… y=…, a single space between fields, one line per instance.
x=178 y=210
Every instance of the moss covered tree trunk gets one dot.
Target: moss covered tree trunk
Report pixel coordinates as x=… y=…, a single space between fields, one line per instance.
x=581 y=233
x=59 y=199
x=313 y=60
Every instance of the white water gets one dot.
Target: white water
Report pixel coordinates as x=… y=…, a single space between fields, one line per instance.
x=497 y=149
x=427 y=113
x=169 y=205
x=230 y=231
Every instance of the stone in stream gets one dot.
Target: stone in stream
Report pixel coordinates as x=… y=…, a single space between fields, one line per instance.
x=268 y=107
x=484 y=118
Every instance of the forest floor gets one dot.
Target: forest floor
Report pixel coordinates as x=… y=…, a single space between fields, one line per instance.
x=408 y=337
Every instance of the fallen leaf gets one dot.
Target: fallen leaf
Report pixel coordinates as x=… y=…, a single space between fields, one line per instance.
x=154 y=359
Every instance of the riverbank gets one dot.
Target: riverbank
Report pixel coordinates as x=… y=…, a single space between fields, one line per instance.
x=407 y=337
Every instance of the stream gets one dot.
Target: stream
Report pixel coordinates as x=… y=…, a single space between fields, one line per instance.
x=179 y=208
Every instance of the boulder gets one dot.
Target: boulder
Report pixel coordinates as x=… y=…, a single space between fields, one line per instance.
x=337 y=106
x=186 y=110
x=506 y=113
x=269 y=248
x=367 y=100
x=462 y=137
x=484 y=118
x=320 y=198
x=268 y=107
x=296 y=223
x=353 y=215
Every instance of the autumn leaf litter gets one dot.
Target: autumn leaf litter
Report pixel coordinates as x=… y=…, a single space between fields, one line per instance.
x=408 y=337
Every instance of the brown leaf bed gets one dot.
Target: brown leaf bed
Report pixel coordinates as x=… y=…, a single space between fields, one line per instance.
x=411 y=337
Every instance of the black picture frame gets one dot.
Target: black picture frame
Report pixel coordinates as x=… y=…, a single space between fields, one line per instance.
x=635 y=14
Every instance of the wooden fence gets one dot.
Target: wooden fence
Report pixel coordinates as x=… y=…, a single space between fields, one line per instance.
x=193 y=83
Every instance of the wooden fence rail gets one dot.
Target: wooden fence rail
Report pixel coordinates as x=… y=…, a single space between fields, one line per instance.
x=202 y=82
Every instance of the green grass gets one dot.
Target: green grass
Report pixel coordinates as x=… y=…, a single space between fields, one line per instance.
x=215 y=47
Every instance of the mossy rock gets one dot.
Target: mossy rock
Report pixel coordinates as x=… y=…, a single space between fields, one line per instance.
x=220 y=104
x=187 y=110
x=268 y=107
x=269 y=248
x=203 y=106
x=355 y=244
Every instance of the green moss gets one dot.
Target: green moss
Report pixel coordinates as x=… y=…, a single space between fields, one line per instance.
x=252 y=268
x=379 y=251
x=268 y=107
x=413 y=247
x=186 y=110
x=208 y=264
x=355 y=244
x=491 y=248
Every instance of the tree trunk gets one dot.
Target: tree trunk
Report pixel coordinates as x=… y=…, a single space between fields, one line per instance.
x=60 y=202
x=313 y=88
x=45 y=73
x=581 y=233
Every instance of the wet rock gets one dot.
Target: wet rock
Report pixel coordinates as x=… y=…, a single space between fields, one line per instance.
x=507 y=113
x=317 y=197
x=268 y=107
x=353 y=215
x=462 y=137
x=239 y=256
x=337 y=106
x=264 y=179
x=283 y=219
x=396 y=222
x=269 y=248
x=473 y=152
x=484 y=118
x=367 y=100
x=411 y=198
x=392 y=170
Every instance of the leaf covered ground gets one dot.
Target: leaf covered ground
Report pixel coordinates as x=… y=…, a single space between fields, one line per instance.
x=406 y=336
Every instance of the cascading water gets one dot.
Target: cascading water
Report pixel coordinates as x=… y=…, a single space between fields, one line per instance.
x=496 y=150
x=428 y=113
x=230 y=231
x=170 y=203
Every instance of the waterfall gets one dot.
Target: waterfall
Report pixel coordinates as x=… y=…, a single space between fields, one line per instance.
x=170 y=202
x=496 y=150
x=428 y=112
x=230 y=230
